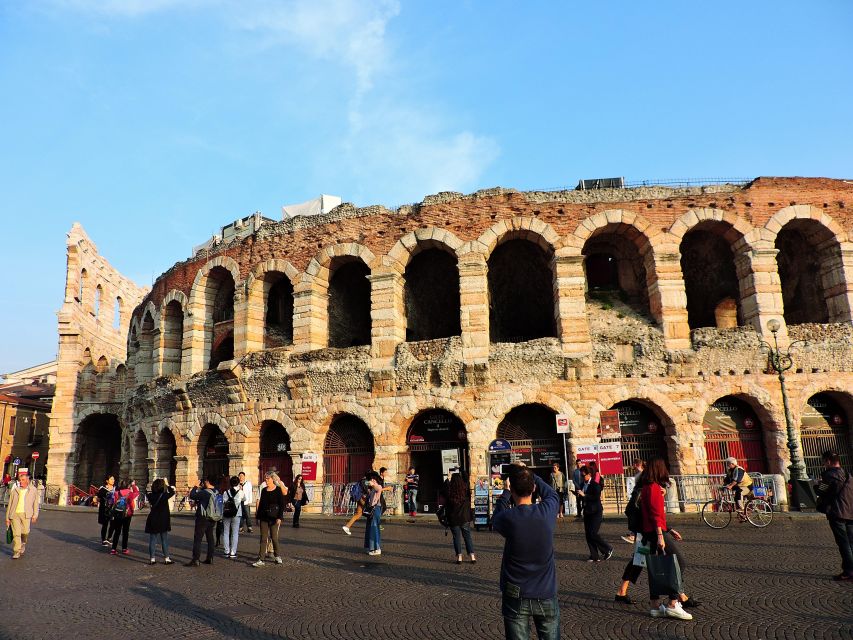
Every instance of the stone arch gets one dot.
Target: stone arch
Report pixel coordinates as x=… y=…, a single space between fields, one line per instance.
x=324 y=417
x=202 y=419
x=97 y=446
x=213 y=312
x=741 y=233
x=262 y=330
x=318 y=268
x=176 y=295
x=532 y=229
x=197 y=294
x=820 y=430
x=416 y=241
x=349 y=448
x=172 y=323
x=399 y=425
x=670 y=414
x=803 y=212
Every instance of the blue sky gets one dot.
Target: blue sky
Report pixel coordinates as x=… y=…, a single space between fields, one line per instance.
x=154 y=122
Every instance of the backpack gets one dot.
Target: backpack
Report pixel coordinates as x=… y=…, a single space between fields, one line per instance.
x=229 y=508
x=441 y=512
x=213 y=511
x=118 y=510
x=356 y=492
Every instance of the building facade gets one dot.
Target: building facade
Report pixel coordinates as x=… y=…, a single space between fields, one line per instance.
x=376 y=337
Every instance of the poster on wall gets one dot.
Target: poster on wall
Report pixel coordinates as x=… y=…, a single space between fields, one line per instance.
x=547 y=456
x=449 y=460
x=309 y=467
x=481 y=501
x=522 y=454
x=609 y=421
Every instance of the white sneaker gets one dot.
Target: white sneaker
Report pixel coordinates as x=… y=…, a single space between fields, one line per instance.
x=375 y=552
x=259 y=563
x=629 y=539
x=346 y=530
x=153 y=561
x=278 y=560
x=677 y=612
x=660 y=612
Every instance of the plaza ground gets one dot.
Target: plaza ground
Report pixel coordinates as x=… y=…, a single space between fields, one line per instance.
x=754 y=584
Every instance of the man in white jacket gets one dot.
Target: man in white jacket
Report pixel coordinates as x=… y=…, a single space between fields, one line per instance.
x=248 y=501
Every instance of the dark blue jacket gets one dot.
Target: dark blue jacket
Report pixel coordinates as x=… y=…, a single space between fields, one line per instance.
x=592 y=499
x=528 y=560
x=202 y=497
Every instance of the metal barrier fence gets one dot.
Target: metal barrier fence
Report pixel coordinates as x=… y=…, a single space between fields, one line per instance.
x=336 y=498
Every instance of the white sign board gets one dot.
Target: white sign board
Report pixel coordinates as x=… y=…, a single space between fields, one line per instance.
x=563 y=423
x=449 y=460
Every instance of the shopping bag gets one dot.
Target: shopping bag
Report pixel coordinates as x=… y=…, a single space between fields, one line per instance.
x=641 y=552
x=664 y=575
x=9 y=534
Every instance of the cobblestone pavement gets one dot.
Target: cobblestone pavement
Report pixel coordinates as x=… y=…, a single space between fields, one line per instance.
x=753 y=584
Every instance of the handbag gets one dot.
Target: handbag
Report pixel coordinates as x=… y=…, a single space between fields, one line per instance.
x=664 y=575
x=9 y=535
x=641 y=552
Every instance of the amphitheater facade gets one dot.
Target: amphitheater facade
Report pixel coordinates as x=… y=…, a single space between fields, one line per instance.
x=376 y=337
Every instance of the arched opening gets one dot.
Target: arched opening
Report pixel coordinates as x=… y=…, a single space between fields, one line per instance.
x=825 y=426
x=102 y=365
x=213 y=452
x=84 y=279
x=348 y=450
x=732 y=429
x=437 y=442
x=710 y=279
x=275 y=451
x=615 y=268
x=642 y=434
x=167 y=449
x=521 y=292
x=173 y=338
x=278 y=325
x=96 y=310
x=807 y=250
x=117 y=313
x=219 y=316
x=140 y=460
x=531 y=429
x=98 y=449
x=432 y=296
x=349 y=303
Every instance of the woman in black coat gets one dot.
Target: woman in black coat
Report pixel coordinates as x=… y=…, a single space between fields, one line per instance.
x=159 y=521
x=299 y=498
x=457 y=497
x=105 y=499
x=592 y=515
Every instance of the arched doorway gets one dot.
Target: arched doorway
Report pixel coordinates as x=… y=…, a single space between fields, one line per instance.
x=98 y=450
x=167 y=449
x=531 y=429
x=212 y=453
x=140 y=460
x=275 y=451
x=349 y=303
x=431 y=296
x=348 y=450
x=642 y=434
x=437 y=439
x=825 y=426
x=732 y=429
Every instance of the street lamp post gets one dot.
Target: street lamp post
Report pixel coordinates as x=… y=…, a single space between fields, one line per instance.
x=802 y=493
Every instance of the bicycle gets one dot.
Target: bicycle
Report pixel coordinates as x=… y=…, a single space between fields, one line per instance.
x=717 y=513
x=185 y=502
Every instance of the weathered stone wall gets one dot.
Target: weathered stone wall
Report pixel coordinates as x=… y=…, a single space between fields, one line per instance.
x=603 y=352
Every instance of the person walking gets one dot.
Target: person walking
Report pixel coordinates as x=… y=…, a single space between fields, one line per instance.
x=299 y=499
x=835 y=499
x=124 y=503
x=248 y=499
x=232 y=500
x=638 y=466
x=457 y=499
x=577 y=480
x=158 y=524
x=204 y=498
x=655 y=481
x=412 y=480
x=593 y=513
x=373 y=509
x=105 y=499
x=269 y=512
x=22 y=511
x=528 y=568
x=358 y=495
x=558 y=484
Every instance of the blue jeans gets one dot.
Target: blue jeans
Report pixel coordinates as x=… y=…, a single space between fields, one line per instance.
x=462 y=532
x=231 y=534
x=412 y=502
x=842 y=531
x=371 y=531
x=164 y=543
x=518 y=612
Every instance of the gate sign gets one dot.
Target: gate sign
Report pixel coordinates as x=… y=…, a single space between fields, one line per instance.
x=609 y=421
x=35 y=455
x=309 y=467
x=610 y=458
x=499 y=445
x=587 y=453
x=563 y=424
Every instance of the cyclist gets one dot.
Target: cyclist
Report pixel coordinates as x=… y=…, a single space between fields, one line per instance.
x=738 y=481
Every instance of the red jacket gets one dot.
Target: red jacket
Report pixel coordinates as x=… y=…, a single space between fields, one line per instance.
x=131 y=494
x=652 y=508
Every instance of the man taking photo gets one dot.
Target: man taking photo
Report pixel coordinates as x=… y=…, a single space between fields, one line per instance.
x=528 y=568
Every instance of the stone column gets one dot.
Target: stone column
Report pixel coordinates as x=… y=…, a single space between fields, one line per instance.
x=474 y=310
x=310 y=317
x=570 y=295
x=183 y=477
x=837 y=279
x=387 y=316
x=760 y=290
x=197 y=341
x=255 y=318
x=668 y=298
x=241 y=322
